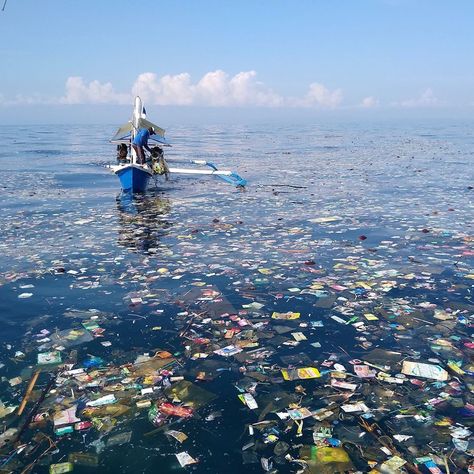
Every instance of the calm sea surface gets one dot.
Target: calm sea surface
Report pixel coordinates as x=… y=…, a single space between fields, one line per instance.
x=337 y=222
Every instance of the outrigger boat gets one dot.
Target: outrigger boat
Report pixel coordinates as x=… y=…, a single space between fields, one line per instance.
x=134 y=177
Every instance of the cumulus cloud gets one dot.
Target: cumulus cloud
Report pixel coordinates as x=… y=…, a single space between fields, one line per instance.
x=318 y=96
x=369 y=102
x=215 y=88
x=426 y=99
x=79 y=92
x=167 y=90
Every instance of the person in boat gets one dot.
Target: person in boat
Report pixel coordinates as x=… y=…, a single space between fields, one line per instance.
x=122 y=153
x=158 y=163
x=140 y=142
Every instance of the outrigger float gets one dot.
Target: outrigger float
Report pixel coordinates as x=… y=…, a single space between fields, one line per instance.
x=134 y=177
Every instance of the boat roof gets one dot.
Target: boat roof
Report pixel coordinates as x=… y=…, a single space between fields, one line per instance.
x=123 y=134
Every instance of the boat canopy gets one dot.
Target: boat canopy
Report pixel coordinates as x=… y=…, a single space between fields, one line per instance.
x=123 y=134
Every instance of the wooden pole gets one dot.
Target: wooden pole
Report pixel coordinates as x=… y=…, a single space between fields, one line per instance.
x=28 y=392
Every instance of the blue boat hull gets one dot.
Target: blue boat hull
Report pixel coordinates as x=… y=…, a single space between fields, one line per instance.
x=133 y=179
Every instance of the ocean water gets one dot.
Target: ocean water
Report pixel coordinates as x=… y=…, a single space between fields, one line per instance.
x=339 y=220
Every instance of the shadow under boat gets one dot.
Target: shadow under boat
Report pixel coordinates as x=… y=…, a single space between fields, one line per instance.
x=142 y=221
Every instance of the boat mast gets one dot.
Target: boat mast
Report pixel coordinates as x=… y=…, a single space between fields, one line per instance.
x=137 y=113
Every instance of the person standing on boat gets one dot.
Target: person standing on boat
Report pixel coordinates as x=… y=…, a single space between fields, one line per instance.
x=140 y=142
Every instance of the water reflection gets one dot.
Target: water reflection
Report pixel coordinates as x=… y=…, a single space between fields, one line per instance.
x=143 y=221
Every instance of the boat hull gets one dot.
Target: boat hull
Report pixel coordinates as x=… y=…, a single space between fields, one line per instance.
x=133 y=178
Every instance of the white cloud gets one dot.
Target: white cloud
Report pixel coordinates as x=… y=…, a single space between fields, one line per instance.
x=426 y=99
x=246 y=90
x=78 y=92
x=215 y=88
x=369 y=102
x=167 y=90
x=318 y=96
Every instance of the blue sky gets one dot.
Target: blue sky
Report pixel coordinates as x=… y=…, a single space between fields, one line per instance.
x=70 y=58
